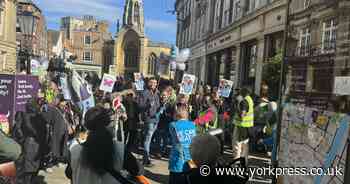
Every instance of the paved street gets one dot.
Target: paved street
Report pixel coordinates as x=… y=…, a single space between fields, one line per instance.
x=157 y=175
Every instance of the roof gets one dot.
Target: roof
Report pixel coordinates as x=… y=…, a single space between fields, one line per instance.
x=29 y=2
x=26 y=1
x=158 y=44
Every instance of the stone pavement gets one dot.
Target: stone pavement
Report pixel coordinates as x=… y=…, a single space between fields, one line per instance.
x=157 y=175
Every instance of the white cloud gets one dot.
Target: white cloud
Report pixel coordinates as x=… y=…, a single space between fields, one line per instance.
x=102 y=9
x=160 y=25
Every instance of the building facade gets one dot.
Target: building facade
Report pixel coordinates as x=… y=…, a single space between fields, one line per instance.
x=230 y=39
x=86 y=38
x=134 y=52
x=318 y=50
x=8 y=36
x=36 y=43
x=53 y=39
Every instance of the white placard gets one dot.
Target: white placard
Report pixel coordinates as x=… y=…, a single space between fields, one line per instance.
x=107 y=83
x=139 y=83
x=342 y=86
x=225 y=88
x=187 y=84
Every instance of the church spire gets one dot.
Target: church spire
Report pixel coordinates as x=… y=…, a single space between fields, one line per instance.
x=133 y=15
x=118 y=26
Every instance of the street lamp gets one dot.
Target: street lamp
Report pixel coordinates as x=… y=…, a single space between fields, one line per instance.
x=27 y=22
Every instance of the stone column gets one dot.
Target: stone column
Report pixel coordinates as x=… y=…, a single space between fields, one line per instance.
x=239 y=62
x=259 y=64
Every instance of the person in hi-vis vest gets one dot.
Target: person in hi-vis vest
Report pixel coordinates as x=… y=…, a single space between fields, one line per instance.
x=243 y=120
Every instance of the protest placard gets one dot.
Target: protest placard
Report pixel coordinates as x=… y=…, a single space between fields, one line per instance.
x=139 y=83
x=225 y=88
x=107 y=83
x=187 y=84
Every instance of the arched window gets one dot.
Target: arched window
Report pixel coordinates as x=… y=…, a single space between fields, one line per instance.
x=152 y=64
x=131 y=55
x=137 y=13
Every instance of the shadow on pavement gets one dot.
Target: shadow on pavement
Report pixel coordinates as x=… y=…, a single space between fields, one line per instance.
x=160 y=178
x=39 y=180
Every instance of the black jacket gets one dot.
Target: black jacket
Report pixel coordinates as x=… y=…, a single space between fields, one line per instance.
x=149 y=104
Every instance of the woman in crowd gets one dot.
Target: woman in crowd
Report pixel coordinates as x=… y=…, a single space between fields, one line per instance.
x=132 y=123
x=93 y=162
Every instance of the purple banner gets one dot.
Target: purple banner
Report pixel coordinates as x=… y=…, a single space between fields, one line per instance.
x=7 y=86
x=15 y=91
x=26 y=87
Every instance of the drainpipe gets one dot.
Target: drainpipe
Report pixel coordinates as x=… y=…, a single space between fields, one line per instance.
x=281 y=91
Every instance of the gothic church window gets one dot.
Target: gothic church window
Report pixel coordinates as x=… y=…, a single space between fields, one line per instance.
x=137 y=13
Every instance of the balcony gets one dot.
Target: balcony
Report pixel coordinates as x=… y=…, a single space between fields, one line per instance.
x=325 y=48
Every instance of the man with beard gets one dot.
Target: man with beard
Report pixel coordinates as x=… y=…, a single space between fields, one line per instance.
x=149 y=104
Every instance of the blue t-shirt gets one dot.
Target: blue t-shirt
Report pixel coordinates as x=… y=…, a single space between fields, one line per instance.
x=182 y=133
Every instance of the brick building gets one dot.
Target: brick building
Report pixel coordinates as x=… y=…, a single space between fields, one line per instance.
x=86 y=38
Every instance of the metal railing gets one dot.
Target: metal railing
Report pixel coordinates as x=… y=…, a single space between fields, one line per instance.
x=328 y=47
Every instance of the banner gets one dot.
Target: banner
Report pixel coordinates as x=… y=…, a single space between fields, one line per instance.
x=15 y=91
x=27 y=87
x=187 y=83
x=7 y=88
x=225 y=88
x=65 y=88
x=83 y=92
x=139 y=83
x=107 y=83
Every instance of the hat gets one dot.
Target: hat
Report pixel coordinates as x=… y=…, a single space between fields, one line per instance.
x=97 y=117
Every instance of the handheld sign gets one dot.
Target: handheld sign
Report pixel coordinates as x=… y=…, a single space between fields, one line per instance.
x=225 y=87
x=107 y=83
x=139 y=83
x=187 y=83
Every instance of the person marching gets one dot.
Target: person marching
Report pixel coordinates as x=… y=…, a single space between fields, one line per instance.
x=149 y=103
x=243 y=121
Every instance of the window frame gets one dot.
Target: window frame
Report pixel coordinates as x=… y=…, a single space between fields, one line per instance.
x=85 y=43
x=304 y=41
x=307 y=4
x=331 y=38
x=85 y=60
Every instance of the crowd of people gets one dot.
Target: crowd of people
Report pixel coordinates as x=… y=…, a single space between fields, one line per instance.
x=99 y=146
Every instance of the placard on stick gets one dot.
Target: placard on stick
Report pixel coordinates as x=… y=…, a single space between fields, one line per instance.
x=187 y=84
x=107 y=83
x=225 y=88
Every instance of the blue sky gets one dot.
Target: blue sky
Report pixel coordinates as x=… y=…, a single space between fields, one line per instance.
x=159 y=25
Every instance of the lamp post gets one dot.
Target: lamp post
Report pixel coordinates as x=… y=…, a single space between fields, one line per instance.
x=27 y=22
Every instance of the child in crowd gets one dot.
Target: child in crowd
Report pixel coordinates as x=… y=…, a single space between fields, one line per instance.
x=182 y=131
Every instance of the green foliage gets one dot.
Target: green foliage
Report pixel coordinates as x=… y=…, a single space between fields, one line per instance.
x=271 y=74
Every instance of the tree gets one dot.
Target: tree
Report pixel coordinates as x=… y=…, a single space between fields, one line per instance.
x=271 y=74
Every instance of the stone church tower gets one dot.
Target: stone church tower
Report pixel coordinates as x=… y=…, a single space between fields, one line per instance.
x=133 y=15
x=133 y=51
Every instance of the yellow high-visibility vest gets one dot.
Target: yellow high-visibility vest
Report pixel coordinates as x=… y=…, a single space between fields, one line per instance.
x=248 y=119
